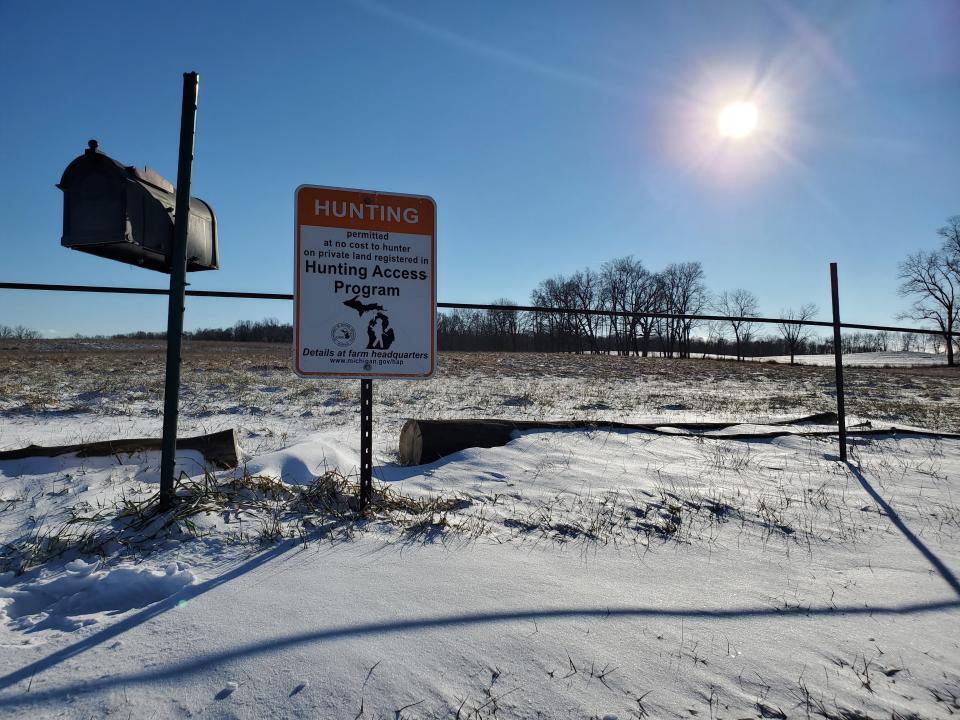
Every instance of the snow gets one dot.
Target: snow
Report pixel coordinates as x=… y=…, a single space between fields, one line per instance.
x=301 y=463
x=865 y=359
x=83 y=596
x=581 y=574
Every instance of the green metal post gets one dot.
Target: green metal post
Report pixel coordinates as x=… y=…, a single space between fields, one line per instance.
x=838 y=361
x=178 y=286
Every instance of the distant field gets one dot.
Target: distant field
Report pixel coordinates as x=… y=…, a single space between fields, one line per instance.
x=46 y=386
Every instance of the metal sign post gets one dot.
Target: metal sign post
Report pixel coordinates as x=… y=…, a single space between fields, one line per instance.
x=366 y=443
x=178 y=283
x=838 y=362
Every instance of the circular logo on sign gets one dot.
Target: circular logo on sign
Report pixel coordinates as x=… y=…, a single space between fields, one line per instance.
x=343 y=334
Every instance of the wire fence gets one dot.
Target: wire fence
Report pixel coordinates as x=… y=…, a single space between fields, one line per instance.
x=492 y=307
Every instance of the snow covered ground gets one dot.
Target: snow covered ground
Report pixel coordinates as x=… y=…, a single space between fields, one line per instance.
x=571 y=574
x=866 y=359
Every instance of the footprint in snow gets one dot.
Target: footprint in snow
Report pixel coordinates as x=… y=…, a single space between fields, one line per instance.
x=227 y=691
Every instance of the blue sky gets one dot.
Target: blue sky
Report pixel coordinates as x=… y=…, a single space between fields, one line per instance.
x=552 y=135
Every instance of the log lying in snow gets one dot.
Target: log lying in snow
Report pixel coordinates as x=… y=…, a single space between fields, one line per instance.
x=423 y=441
x=219 y=449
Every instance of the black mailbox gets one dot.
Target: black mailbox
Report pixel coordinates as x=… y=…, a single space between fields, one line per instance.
x=123 y=213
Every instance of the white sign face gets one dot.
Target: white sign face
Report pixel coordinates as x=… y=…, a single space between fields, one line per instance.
x=365 y=300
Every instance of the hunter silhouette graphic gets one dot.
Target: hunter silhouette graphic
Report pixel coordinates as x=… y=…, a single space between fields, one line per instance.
x=379 y=333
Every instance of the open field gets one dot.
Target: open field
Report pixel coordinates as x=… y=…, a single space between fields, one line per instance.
x=575 y=574
x=71 y=384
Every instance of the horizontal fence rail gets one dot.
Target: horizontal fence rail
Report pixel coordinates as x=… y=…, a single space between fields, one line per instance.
x=476 y=306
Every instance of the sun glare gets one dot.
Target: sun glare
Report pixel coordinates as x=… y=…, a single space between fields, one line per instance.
x=737 y=120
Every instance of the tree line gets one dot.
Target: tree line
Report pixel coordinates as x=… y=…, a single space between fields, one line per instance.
x=18 y=333
x=499 y=330
x=268 y=330
x=640 y=298
x=510 y=330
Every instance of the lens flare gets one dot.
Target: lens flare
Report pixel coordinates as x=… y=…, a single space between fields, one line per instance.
x=737 y=120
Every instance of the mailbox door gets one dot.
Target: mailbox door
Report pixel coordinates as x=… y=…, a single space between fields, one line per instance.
x=95 y=212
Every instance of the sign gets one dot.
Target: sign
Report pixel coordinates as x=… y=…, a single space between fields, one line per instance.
x=365 y=298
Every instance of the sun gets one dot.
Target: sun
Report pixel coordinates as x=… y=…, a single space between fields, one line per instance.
x=737 y=120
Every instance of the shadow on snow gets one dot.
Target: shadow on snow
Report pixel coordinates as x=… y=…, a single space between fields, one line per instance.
x=203 y=663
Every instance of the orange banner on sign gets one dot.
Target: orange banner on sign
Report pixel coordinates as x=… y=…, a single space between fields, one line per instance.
x=356 y=209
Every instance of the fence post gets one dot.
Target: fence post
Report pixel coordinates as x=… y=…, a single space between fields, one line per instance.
x=366 y=443
x=838 y=362
x=178 y=285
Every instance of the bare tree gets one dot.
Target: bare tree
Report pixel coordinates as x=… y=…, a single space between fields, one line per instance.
x=616 y=276
x=585 y=287
x=20 y=332
x=951 y=238
x=505 y=323
x=557 y=293
x=686 y=295
x=739 y=304
x=795 y=333
x=951 y=246
x=628 y=287
x=932 y=280
x=716 y=338
x=644 y=296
